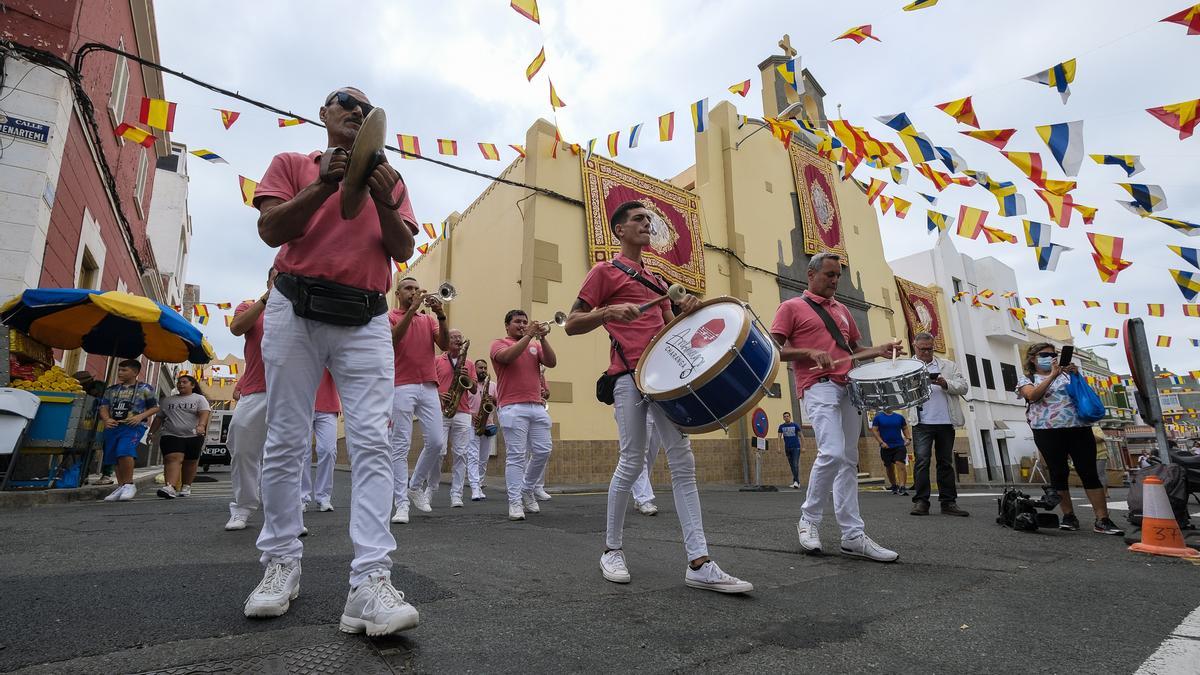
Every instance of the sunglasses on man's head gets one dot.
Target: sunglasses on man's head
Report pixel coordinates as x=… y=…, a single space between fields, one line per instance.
x=348 y=102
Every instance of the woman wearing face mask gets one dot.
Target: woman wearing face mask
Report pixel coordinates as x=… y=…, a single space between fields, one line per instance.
x=1059 y=434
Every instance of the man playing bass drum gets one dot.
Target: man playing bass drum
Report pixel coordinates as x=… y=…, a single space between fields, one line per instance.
x=611 y=297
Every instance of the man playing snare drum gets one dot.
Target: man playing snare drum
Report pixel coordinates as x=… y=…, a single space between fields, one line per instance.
x=817 y=333
x=612 y=296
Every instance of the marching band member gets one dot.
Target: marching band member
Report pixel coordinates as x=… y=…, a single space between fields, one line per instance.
x=610 y=297
x=485 y=442
x=523 y=417
x=414 y=336
x=456 y=429
x=805 y=329
x=248 y=426
x=319 y=489
x=327 y=310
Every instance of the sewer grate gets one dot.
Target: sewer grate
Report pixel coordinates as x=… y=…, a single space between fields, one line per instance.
x=349 y=655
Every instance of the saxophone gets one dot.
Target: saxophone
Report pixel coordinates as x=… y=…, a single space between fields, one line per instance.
x=459 y=384
x=487 y=405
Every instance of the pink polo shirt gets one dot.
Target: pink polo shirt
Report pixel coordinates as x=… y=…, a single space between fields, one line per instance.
x=328 y=400
x=254 y=380
x=414 y=352
x=605 y=285
x=445 y=376
x=802 y=328
x=344 y=251
x=519 y=381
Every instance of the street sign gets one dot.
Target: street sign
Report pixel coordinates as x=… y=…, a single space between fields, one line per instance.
x=24 y=129
x=759 y=421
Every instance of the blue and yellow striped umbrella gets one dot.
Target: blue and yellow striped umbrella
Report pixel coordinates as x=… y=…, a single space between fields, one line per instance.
x=109 y=323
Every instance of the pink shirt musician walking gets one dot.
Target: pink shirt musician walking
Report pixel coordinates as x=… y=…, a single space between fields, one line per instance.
x=612 y=298
x=821 y=362
x=327 y=310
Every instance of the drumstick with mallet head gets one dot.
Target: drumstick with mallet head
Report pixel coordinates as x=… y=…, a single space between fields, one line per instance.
x=675 y=292
x=852 y=357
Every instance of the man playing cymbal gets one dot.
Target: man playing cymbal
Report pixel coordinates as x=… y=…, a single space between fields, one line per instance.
x=612 y=296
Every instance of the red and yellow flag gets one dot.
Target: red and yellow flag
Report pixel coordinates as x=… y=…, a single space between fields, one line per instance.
x=1091 y=304
x=489 y=151
x=997 y=138
x=858 y=34
x=901 y=207
x=1191 y=310
x=942 y=180
x=961 y=110
x=410 y=146
x=228 y=117
x=289 y=121
x=1088 y=213
x=1030 y=164
x=1181 y=116
x=157 y=113
x=1058 y=302
x=1155 y=309
x=423 y=248
x=1189 y=17
x=401 y=267
x=224 y=305
x=1111 y=333
x=970 y=221
x=233 y=369
x=995 y=234
x=1060 y=207
x=741 y=88
x=1030 y=300
x=527 y=9
x=447 y=146
x=536 y=64
x=875 y=189
x=228 y=320
x=1018 y=313
x=1059 y=187
x=201 y=312
x=1163 y=341
x=613 y=143
x=520 y=149
x=429 y=230
x=1121 y=308
x=555 y=101
x=248 y=187
x=666 y=127
x=140 y=136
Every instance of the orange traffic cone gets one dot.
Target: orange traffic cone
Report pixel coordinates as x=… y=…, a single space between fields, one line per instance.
x=1160 y=532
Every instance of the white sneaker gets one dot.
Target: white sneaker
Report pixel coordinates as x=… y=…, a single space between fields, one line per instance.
x=477 y=494
x=529 y=502
x=542 y=495
x=127 y=492
x=795 y=485
x=646 y=508
x=515 y=512
x=863 y=547
x=456 y=501
x=711 y=578
x=115 y=494
x=279 y=586
x=419 y=499
x=325 y=506
x=810 y=539
x=167 y=492
x=303 y=531
x=236 y=522
x=612 y=566
x=185 y=491
x=304 y=507
x=377 y=608
x=401 y=515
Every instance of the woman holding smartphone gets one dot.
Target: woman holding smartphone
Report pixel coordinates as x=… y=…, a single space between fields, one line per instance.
x=1059 y=434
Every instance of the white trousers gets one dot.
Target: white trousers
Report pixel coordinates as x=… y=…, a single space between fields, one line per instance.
x=837 y=425
x=632 y=413
x=643 y=491
x=420 y=402
x=526 y=428
x=458 y=432
x=319 y=488
x=483 y=446
x=296 y=352
x=247 y=433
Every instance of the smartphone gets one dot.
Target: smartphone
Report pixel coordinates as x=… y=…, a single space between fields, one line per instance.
x=1064 y=357
x=934 y=376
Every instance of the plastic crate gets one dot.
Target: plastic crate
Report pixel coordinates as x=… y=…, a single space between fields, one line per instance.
x=62 y=421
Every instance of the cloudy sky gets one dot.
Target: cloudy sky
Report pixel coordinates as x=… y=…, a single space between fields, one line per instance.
x=456 y=70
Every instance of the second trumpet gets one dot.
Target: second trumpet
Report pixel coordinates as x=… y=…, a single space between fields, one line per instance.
x=560 y=320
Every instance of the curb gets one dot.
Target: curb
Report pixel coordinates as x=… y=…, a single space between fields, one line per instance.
x=142 y=478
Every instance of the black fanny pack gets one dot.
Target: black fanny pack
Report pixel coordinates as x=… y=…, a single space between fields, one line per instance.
x=606 y=386
x=330 y=302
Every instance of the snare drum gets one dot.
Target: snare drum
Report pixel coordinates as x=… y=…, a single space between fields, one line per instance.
x=710 y=367
x=889 y=385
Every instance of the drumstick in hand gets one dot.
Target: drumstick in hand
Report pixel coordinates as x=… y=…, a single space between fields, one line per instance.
x=675 y=292
x=852 y=357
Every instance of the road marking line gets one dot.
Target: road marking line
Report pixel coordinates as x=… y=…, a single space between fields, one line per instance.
x=1179 y=652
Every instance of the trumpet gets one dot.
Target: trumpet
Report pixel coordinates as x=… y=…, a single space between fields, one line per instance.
x=445 y=293
x=560 y=320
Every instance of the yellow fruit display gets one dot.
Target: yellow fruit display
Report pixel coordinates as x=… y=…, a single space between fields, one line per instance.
x=55 y=379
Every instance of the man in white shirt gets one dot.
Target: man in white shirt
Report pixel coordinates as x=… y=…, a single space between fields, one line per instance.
x=934 y=430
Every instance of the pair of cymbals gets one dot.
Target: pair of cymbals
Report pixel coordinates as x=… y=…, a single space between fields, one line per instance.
x=365 y=155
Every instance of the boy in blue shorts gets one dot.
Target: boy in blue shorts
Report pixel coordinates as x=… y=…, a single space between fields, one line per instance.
x=124 y=409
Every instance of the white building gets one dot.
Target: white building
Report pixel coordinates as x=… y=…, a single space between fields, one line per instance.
x=170 y=225
x=988 y=347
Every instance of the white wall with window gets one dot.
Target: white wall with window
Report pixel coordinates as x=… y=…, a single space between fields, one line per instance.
x=169 y=224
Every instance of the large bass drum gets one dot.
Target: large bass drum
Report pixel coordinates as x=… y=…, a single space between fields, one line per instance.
x=708 y=368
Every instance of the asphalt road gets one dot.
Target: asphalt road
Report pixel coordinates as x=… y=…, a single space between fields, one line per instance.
x=153 y=585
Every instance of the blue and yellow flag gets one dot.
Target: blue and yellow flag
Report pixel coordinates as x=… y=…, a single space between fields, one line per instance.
x=1057 y=77
x=790 y=72
x=1191 y=255
x=1132 y=164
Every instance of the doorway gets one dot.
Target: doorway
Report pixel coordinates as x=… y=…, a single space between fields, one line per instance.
x=985 y=436
x=1005 y=463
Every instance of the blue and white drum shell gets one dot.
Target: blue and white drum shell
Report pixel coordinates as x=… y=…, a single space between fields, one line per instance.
x=708 y=368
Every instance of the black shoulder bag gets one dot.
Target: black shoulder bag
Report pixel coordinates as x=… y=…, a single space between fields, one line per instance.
x=606 y=384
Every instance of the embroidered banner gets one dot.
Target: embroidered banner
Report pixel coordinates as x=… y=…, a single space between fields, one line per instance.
x=921 y=312
x=819 y=212
x=676 y=249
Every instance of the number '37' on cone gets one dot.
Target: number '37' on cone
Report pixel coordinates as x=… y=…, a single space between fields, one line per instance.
x=1160 y=532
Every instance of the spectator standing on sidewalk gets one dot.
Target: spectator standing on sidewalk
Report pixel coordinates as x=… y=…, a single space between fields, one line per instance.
x=933 y=432
x=789 y=436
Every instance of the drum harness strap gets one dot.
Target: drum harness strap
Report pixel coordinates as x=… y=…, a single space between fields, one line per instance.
x=658 y=290
x=838 y=338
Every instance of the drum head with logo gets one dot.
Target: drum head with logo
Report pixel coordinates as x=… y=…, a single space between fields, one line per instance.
x=691 y=346
x=886 y=370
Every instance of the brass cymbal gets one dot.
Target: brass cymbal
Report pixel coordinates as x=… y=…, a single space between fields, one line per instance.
x=367 y=146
